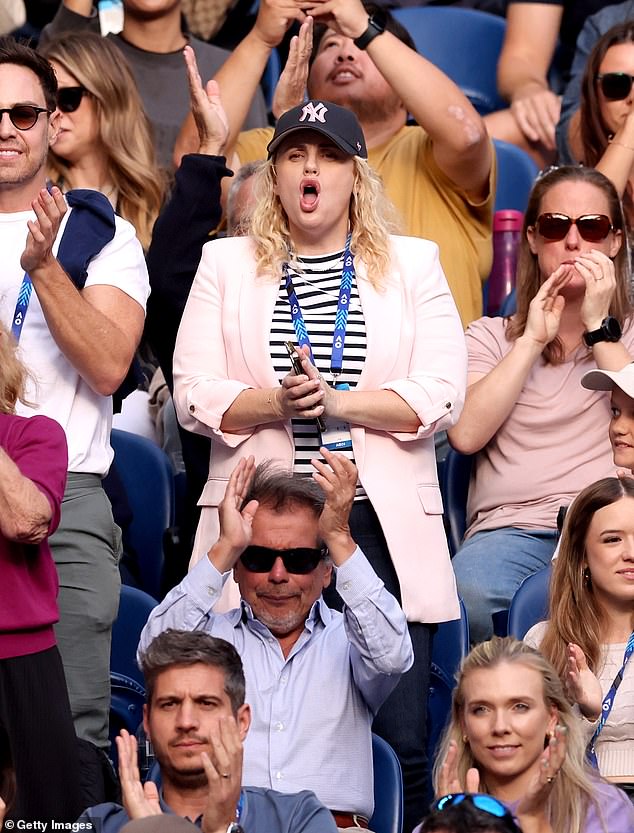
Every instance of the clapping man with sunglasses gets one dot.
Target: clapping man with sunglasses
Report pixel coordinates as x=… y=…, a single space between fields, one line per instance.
x=315 y=677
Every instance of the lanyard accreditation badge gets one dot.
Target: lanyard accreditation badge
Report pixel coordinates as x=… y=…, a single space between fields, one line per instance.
x=336 y=435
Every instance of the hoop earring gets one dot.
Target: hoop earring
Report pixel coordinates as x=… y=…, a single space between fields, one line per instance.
x=587 y=578
x=465 y=739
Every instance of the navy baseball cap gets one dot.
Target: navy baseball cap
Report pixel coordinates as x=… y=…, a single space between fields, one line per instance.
x=340 y=125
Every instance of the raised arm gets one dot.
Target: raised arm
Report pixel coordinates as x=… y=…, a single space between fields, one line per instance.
x=460 y=141
x=492 y=396
x=97 y=329
x=240 y=75
x=532 y=30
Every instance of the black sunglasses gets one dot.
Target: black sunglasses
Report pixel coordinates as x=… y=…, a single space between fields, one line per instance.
x=592 y=227
x=486 y=803
x=299 y=560
x=69 y=98
x=615 y=86
x=23 y=116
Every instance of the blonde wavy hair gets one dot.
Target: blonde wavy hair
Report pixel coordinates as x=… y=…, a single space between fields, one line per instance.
x=572 y=791
x=124 y=128
x=372 y=219
x=575 y=612
x=13 y=374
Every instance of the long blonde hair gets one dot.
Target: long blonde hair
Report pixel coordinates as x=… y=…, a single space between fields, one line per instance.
x=575 y=613
x=13 y=374
x=124 y=128
x=572 y=791
x=372 y=220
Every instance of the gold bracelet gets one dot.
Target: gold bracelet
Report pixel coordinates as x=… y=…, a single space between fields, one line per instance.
x=622 y=145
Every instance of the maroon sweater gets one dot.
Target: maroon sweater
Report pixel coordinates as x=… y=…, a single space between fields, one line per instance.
x=28 y=577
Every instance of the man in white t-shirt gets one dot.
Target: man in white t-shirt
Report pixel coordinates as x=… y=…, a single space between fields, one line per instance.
x=77 y=336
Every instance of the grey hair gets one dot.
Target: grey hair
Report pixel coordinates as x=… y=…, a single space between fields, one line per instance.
x=278 y=487
x=235 y=225
x=174 y=647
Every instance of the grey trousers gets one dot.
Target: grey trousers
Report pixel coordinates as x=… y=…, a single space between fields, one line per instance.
x=86 y=548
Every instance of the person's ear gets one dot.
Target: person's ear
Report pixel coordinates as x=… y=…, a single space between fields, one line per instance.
x=243 y=719
x=617 y=242
x=531 y=235
x=53 y=127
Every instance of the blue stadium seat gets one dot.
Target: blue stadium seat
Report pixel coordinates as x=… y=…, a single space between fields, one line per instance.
x=148 y=479
x=465 y=44
x=134 y=608
x=454 y=486
x=516 y=176
x=530 y=603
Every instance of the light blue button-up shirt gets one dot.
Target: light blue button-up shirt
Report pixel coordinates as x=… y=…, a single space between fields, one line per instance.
x=313 y=710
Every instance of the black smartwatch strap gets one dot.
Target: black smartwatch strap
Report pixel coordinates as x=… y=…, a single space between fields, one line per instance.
x=375 y=27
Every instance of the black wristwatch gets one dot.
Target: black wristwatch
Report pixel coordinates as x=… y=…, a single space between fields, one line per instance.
x=376 y=26
x=610 y=330
x=234 y=827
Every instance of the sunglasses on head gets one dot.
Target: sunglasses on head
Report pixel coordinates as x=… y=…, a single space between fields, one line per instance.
x=69 y=98
x=615 y=86
x=592 y=227
x=486 y=803
x=299 y=560
x=23 y=116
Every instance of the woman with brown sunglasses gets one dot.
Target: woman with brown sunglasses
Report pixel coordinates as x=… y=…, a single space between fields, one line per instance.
x=537 y=435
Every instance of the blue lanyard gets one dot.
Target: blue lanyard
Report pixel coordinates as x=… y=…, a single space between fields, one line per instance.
x=608 y=702
x=341 y=318
x=21 y=307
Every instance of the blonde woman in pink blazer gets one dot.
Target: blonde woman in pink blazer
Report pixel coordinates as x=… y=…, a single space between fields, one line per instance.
x=382 y=381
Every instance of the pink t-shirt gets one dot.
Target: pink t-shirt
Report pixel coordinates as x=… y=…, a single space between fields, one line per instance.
x=554 y=442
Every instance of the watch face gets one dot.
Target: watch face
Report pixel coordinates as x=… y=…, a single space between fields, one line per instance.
x=612 y=328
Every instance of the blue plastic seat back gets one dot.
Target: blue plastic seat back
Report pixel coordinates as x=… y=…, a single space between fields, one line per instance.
x=454 y=487
x=147 y=476
x=530 y=603
x=134 y=608
x=516 y=174
x=465 y=44
x=450 y=646
x=388 y=789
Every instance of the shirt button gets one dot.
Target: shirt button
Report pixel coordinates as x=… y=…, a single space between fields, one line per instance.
x=278 y=776
x=346 y=585
x=279 y=727
x=211 y=591
x=447 y=405
x=283 y=679
x=192 y=408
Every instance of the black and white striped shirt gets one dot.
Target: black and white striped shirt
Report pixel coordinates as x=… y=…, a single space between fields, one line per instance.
x=317 y=289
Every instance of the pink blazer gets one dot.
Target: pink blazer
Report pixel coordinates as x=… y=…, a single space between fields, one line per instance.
x=415 y=347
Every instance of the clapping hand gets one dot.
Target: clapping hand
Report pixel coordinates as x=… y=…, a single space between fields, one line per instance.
x=597 y=270
x=49 y=210
x=544 y=312
x=235 y=522
x=291 y=86
x=449 y=781
x=207 y=110
x=139 y=800
x=582 y=686
x=224 y=776
x=337 y=478
x=532 y=806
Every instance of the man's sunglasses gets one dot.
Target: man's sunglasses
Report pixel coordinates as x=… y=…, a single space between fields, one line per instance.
x=23 y=116
x=299 y=560
x=592 y=227
x=615 y=86
x=69 y=98
x=486 y=803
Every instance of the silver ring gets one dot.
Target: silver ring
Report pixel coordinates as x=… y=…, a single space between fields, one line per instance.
x=225 y=774
x=550 y=779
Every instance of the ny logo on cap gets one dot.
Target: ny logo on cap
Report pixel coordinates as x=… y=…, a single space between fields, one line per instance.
x=314 y=112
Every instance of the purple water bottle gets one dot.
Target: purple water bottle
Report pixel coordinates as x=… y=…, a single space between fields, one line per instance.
x=507 y=228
